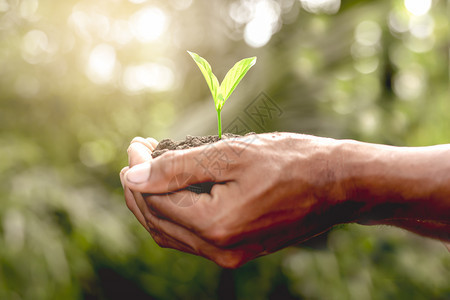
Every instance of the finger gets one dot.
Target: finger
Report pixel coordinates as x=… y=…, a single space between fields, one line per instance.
x=165 y=240
x=150 y=143
x=183 y=208
x=152 y=224
x=130 y=199
x=201 y=164
x=168 y=234
x=169 y=242
x=138 y=153
x=122 y=175
x=186 y=208
x=131 y=202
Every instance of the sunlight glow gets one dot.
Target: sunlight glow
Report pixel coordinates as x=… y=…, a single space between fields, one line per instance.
x=150 y=77
x=420 y=45
x=28 y=9
x=120 y=33
x=418 y=7
x=264 y=21
x=4 y=5
x=34 y=46
x=79 y=21
x=398 y=22
x=368 y=33
x=257 y=33
x=181 y=4
x=90 y=25
x=421 y=27
x=148 y=24
x=241 y=12
x=102 y=62
x=410 y=84
x=367 y=65
x=321 y=6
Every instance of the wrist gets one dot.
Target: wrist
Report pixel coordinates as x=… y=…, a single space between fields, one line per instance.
x=325 y=178
x=396 y=183
x=369 y=181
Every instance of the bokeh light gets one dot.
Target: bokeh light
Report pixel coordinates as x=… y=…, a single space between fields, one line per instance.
x=80 y=78
x=150 y=77
x=101 y=64
x=263 y=21
x=410 y=84
x=181 y=4
x=418 y=8
x=35 y=46
x=368 y=33
x=321 y=6
x=28 y=9
x=148 y=24
x=421 y=27
x=4 y=5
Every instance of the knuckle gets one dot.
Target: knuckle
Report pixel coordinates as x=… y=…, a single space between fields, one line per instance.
x=161 y=244
x=129 y=204
x=151 y=228
x=129 y=149
x=231 y=260
x=124 y=170
x=170 y=165
x=219 y=236
x=158 y=238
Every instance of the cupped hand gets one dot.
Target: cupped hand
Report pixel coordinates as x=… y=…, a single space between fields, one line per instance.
x=270 y=191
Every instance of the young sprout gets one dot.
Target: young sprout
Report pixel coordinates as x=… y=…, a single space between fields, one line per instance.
x=221 y=92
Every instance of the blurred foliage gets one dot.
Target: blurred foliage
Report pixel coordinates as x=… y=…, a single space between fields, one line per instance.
x=79 y=79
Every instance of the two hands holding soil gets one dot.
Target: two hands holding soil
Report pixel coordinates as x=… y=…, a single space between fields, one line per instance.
x=273 y=190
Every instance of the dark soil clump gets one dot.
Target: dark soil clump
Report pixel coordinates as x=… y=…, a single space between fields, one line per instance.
x=190 y=142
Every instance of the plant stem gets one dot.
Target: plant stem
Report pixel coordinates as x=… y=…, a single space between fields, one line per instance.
x=219 y=123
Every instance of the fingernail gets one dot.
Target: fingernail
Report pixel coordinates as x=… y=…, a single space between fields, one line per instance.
x=138 y=174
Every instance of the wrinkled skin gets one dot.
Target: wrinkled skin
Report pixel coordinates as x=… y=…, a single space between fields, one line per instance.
x=271 y=191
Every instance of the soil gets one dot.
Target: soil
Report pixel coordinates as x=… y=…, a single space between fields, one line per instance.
x=191 y=142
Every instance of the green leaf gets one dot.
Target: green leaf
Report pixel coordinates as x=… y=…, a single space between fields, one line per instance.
x=234 y=76
x=210 y=78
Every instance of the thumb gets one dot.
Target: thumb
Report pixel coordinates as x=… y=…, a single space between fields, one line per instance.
x=176 y=170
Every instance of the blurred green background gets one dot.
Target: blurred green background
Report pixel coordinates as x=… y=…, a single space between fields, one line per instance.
x=80 y=79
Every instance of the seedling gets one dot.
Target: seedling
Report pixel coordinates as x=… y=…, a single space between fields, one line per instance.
x=221 y=92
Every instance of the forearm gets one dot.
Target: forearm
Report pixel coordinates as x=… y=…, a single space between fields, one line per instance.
x=407 y=187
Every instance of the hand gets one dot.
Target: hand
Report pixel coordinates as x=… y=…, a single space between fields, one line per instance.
x=139 y=152
x=272 y=190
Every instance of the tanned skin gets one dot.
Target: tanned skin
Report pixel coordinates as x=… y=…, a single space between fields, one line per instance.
x=275 y=190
